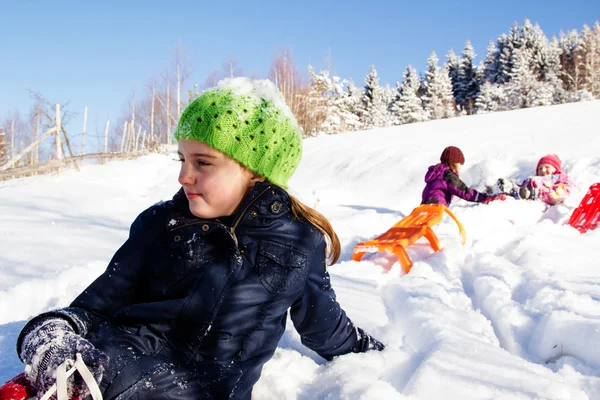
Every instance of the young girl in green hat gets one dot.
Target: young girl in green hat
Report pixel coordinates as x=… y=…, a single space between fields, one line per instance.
x=195 y=301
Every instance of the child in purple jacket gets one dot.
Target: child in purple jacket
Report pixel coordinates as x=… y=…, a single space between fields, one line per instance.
x=443 y=181
x=550 y=184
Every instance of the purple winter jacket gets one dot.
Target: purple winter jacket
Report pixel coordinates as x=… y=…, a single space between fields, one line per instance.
x=443 y=183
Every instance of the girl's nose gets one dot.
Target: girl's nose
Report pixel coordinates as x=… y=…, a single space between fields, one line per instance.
x=186 y=177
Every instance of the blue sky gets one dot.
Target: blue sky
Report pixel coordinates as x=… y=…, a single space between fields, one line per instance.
x=96 y=54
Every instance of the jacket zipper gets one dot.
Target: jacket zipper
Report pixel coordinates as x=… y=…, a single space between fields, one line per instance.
x=232 y=229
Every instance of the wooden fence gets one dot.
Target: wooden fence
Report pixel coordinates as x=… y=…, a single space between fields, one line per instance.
x=132 y=145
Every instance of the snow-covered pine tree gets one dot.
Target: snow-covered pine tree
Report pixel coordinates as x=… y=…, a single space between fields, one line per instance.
x=591 y=49
x=366 y=103
x=535 y=45
x=572 y=61
x=330 y=106
x=372 y=110
x=387 y=97
x=491 y=63
x=469 y=80
x=337 y=116
x=453 y=63
x=438 y=99
x=507 y=44
x=524 y=88
x=407 y=107
x=554 y=72
x=491 y=98
x=327 y=90
x=350 y=105
x=394 y=107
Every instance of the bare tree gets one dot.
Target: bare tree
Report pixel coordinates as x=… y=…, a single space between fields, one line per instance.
x=3 y=147
x=231 y=68
x=47 y=111
x=211 y=80
x=182 y=73
x=591 y=46
x=285 y=75
x=35 y=120
x=16 y=131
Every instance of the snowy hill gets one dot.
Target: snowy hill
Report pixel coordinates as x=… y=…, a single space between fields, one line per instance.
x=514 y=314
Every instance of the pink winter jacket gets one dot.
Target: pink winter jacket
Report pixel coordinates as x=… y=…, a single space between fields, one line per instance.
x=551 y=189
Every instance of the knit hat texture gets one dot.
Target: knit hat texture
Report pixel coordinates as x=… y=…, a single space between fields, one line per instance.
x=550 y=159
x=249 y=121
x=452 y=155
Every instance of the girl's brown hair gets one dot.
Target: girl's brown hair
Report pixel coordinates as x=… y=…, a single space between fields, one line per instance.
x=302 y=211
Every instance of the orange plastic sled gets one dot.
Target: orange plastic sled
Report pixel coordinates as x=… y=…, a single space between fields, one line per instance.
x=407 y=231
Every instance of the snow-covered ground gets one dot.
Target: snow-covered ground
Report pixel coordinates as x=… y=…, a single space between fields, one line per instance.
x=513 y=314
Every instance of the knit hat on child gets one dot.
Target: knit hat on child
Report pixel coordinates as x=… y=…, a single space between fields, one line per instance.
x=550 y=159
x=249 y=121
x=452 y=155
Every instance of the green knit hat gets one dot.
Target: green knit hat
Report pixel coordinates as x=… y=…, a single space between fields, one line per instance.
x=249 y=121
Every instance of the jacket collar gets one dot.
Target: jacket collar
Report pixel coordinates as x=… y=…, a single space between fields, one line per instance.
x=265 y=199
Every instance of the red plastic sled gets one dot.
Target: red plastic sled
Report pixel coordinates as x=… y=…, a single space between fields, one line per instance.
x=17 y=389
x=587 y=215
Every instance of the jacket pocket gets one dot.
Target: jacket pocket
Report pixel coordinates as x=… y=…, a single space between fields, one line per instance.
x=282 y=269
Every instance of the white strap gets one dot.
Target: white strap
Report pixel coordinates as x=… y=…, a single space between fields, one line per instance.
x=88 y=378
x=61 y=382
x=62 y=374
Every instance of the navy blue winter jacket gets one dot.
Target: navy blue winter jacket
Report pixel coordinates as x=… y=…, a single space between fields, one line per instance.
x=192 y=309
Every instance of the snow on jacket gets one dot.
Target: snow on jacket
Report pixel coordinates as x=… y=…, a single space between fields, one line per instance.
x=443 y=183
x=192 y=309
x=551 y=189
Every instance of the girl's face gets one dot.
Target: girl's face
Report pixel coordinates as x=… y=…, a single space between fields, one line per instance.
x=213 y=183
x=456 y=167
x=545 y=169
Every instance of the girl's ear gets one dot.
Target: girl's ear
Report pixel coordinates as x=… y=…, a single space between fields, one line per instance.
x=256 y=177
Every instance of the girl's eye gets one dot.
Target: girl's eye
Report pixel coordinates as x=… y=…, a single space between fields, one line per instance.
x=181 y=160
x=202 y=162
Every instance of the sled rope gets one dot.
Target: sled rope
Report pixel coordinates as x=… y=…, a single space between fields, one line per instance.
x=62 y=374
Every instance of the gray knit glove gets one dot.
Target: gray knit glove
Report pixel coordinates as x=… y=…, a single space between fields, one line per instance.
x=50 y=341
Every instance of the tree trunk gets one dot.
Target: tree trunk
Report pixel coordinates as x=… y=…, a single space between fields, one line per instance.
x=36 y=152
x=83 y=131
x=168 y=115
x=152 y=114
x=106 y=137
x=123 y=138
x=59 y=155
x=178 y=92
x=12 y=139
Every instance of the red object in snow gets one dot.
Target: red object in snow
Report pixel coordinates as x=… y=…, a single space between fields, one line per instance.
x=17 y=388
x=587 y=215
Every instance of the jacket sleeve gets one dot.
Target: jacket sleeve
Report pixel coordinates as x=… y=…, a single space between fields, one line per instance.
x=110 y=291
x=458 y=188
x=320 y=320
x=116 y=287
x=551 y=190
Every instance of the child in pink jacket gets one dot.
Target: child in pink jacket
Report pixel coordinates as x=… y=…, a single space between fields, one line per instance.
x=550 y=184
